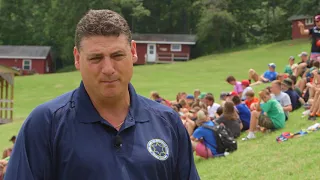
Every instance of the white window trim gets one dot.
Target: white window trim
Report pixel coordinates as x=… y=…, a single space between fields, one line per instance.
x=30 y=64
x=309 y=21
x=176 y=50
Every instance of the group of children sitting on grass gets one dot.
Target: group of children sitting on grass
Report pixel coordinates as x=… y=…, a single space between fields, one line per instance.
x=243 y=110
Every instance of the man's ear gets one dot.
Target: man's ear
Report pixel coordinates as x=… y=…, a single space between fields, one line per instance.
x=76 y=55
x=134 y=51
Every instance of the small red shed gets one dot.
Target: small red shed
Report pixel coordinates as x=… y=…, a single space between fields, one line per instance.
x=157 y=48
x=27 y=59
x=307 y=20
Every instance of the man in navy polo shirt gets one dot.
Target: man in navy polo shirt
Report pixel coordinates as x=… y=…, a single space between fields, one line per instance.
x=103 y=129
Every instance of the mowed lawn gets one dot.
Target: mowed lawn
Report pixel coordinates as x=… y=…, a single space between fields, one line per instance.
x=262 y=158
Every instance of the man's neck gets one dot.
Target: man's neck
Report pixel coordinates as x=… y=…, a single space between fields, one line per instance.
x=114 y=106
x=277 y=93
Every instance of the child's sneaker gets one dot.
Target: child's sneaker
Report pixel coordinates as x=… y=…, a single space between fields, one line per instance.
x=312 y=118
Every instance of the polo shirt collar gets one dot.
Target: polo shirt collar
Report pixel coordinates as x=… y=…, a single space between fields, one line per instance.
x=87 y=113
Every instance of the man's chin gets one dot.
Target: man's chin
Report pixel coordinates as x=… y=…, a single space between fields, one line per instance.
x=111 y=93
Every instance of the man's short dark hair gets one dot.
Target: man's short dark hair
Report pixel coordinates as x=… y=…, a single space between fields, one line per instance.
x=236 y=100
x=220 y=110
x=209 y=97
x=230 y=79
x=101 y=22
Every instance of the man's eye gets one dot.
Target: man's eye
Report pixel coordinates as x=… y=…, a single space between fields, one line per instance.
x=95 y=58
x=118 y=56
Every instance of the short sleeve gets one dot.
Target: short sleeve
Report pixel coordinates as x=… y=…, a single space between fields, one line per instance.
x=286 y=100
x=220 y=120
x=31 y=156
x=197 y=133
x=239 y=88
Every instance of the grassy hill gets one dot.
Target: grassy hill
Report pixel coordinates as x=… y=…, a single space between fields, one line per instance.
x=262 y=158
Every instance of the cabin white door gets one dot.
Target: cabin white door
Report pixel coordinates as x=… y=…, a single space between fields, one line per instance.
x=151 y=53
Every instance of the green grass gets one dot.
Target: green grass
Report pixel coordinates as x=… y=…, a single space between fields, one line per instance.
x=262 y=158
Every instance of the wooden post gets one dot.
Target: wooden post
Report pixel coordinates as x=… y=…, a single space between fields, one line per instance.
x=172 y=57
x=11 y=97
x=6 y=100
x=1 y=97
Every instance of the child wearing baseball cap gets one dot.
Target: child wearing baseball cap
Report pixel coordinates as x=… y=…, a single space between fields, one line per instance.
x=246 y=87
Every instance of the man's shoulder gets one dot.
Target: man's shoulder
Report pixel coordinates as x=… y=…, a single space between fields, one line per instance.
x=52 y=106
x=43 y=115
x=216 y=105
x=283 y=94
x=311 y=30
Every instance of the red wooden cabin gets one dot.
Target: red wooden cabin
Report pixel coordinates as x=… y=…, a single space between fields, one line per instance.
x=27 y=59
x=157 y=48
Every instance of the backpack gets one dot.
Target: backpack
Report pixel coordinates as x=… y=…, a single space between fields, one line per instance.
x=224 y=138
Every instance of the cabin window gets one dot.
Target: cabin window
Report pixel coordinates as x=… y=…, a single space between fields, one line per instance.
x=26 y=64
x=176 y=47
x=309 y=21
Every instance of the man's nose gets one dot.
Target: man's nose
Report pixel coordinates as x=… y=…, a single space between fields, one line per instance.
x=108 y=66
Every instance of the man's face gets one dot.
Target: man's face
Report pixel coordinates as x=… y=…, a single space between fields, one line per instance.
x=208 y=102
x=281 y=77
x=291 y=61
x=106 y=64
x=196 y=94
x=232 y=82
x=183 y=96
x=265 y=98
x=249 y=98
x=271 y=69
x=284 y=87
x=193 y=114
x=203 y=101
x=275 y=89
x=317 y=21
x=189 y=101
x=304 y=58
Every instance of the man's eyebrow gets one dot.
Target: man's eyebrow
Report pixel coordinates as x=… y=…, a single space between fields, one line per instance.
x=118 y=52
x=95 y=55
